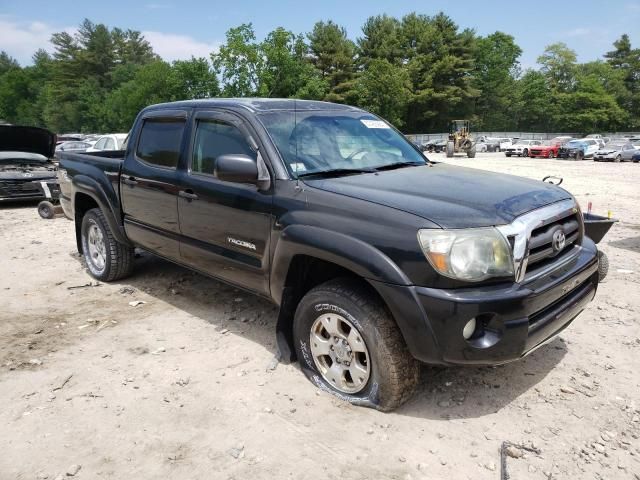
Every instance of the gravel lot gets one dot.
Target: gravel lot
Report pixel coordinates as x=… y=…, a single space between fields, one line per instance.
x=183 y=385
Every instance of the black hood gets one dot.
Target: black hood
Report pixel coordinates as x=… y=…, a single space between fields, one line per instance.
x=14 y=138
x=452 y=197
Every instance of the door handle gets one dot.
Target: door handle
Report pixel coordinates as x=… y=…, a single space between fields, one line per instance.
x=130 y=181
x=188 y=194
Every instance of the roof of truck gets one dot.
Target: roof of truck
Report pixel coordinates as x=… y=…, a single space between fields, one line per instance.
x=256 y=104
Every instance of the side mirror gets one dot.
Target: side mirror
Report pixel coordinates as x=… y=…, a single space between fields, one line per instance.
x=237 y=168
x=240 y=168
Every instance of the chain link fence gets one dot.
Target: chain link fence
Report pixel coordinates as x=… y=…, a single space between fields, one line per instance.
x=421 y=138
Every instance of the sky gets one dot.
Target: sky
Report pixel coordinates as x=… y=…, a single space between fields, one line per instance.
x=180 y=29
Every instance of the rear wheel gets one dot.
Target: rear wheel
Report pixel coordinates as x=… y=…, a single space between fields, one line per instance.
x=349 y=345
x=106 y=258
x=550 y=154
x=450 y=149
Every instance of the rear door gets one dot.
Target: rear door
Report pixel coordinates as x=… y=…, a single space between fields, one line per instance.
x=148 y=183
x=225 y=226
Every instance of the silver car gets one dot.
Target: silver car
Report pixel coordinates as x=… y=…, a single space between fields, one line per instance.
x=615 y=152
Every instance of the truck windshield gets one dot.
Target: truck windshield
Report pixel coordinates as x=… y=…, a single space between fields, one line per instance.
x=347 y=142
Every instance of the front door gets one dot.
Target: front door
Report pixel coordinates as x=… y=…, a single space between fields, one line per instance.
x=148 y=184
x=224 y=226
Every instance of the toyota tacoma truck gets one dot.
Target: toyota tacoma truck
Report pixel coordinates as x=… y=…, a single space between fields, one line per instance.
x=378 y=258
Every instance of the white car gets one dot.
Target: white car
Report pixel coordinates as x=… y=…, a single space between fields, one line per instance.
x=521 y=148
x=113 y=141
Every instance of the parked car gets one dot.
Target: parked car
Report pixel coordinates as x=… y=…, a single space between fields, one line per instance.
x=108 y=142
x=579 y=148
x=72 y=146
x=487 y=144
x=635 y=158
x=376 y=257
x=521 y=148
x=26 y=162
x=615 y=151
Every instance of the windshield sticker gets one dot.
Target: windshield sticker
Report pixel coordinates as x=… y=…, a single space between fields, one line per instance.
x=298 y=167
x=374 y=124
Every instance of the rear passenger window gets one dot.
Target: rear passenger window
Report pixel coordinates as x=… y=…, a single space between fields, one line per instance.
x=215 y=138
x=160 y=141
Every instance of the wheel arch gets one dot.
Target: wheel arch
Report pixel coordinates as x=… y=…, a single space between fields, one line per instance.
x=307 y=256
x=90 y=194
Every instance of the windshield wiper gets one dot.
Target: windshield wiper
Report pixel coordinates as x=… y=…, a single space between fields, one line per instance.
x=393 y=166
x=336 y=171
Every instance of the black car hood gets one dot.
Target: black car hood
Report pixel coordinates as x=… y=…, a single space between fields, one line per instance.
x=452 y=197
x=15 y=138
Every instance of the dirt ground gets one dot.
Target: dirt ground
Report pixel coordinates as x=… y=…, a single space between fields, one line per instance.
x=183 y=385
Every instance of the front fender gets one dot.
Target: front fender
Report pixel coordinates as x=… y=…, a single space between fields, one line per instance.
x=351 y=253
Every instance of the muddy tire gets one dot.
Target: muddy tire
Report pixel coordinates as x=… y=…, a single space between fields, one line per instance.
x=348 y=344
x=46 y=210
x=106 y=258
x=450 y=149
x=603 y=265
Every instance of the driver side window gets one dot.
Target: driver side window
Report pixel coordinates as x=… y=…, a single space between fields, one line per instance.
x=213 y=139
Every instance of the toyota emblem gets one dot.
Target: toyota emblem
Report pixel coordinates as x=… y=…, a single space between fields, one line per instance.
x=558 y=240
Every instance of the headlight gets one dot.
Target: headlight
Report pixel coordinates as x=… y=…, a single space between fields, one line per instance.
x=473 y=254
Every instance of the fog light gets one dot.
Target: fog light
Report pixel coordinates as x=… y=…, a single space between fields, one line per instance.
x=469 y=328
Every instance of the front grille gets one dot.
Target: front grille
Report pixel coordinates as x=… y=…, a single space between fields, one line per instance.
x=19 y=188
x=535 y=152
x=541 y=245
x=535 y=242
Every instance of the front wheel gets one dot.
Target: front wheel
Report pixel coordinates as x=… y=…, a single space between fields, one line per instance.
x=450 y=149
x=471 y=153
x=106 y=258
x=349 y=345
x=603 y=265
x=617 y=159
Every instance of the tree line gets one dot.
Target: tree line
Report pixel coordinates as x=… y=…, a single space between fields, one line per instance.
x=418 y=72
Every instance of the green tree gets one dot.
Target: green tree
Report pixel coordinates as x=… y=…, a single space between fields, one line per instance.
x=439 y=59
x=558 y=64
x=495 y=69
x=7 y=62
x=534 y=105
x=194 y=78
x=381 y=40
x=384 y=89
x=240 y=63
x=332 y=54
x=286 y=71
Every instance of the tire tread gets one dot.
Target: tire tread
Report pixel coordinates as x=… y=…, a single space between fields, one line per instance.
x=404 y=370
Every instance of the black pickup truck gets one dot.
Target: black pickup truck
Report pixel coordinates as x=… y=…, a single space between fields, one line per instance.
x=377 y=257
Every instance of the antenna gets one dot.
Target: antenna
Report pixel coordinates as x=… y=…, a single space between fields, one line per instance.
x=295 y=125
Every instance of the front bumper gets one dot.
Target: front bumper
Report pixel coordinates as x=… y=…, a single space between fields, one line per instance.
x=515 y=319
x=538 y=153
x=14 y=190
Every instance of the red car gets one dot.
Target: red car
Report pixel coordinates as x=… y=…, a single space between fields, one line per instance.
x=549 y=148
